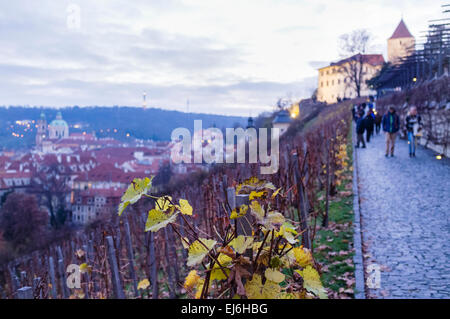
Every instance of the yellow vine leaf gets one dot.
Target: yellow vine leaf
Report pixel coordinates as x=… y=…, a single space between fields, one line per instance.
x=241 y=243
x=157 y=219
x=288 y=232
x=191 y=280
x=242 y=211
x=302 y=256
x=198 y=292
x=256 y=245
x=274 y=275
x=197 y=251
x=254 y=184
x=184 y=242
x=255 y=194
x=276 y=192
x=256 y=290
x=185 y=208
x=257 y=210
x=273 y=220
x=291 y=295
x=270 y=186
x=84 y=268
x=312 y=283
x=143 y=284
x=216 y=272
x=134 y=192
x=163 y=203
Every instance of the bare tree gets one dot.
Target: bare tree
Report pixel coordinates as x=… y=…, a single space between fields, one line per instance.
x=282 y=103
x=355 y=45
x=23 y=223
x=52 y=186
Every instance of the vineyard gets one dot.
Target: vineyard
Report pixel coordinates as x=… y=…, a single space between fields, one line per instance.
x=232 y=233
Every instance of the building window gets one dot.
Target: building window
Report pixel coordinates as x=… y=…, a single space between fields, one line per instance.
x=332 y=82
x=321 y=84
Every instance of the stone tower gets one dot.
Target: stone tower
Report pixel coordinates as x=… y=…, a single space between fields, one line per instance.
x=400 y=44
x=41 y=129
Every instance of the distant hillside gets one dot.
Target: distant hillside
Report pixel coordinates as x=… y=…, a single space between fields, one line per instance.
x=151 y=123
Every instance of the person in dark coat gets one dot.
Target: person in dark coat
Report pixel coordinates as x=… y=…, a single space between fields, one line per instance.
x=369 y=124
x=362 y=107
x=378 y=118
x=391 y=125
x=360 y=128
x=354 y=112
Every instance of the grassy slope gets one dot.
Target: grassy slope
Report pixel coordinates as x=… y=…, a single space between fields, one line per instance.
x=333 y=247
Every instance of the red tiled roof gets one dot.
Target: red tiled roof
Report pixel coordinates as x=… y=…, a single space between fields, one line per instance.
x=107 y=172
x=401 y=31
x=372 y=59
x=15 y=175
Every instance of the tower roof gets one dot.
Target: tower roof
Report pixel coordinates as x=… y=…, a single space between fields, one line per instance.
x=282 y=117
x=58 y=121
x=401 y=31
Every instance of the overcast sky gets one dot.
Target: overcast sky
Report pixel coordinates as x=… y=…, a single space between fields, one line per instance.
x=225 y=56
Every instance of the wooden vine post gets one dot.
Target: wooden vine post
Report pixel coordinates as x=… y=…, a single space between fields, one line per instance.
x=115 y=274
x=327 y=186
x=130 y=255
x=302 y=207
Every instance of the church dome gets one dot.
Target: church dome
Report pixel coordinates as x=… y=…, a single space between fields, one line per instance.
x=58 y=121
x=58 y=128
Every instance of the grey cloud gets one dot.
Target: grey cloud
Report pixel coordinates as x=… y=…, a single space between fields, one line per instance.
x=34 y=35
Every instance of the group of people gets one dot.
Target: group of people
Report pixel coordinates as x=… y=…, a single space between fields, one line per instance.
x=368 y=120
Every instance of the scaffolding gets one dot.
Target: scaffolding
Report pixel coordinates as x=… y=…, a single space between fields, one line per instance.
x=429 y=59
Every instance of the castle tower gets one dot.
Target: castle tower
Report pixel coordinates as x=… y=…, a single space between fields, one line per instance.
x=400 y=44
x=41 y=129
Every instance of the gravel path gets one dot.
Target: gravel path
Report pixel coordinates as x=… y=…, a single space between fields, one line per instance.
x=405 y=209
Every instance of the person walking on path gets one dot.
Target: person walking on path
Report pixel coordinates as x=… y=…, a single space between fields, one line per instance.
x=355 y=112
x=391 y=125
x=369 y=124
x=378 y=118
x=360 y=128
x=413 y=123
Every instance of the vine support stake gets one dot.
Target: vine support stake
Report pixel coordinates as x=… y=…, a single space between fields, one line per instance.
x=115 y=275
x=327 y=188
x=51 y=265
x=87 y=276
x=130 y=254
x=302 y=208
x=62 y=273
